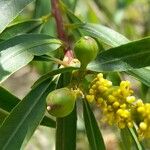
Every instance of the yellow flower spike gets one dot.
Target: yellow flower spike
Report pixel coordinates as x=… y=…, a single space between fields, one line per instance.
x=103 y=104
x=139 y=102
x=116 y=104
x=100 y=75
x=91 y=91
x=130 y=99
x=94 y=86
x=90 y=98
x=121 y=125
x=123 y=106
x=125 y=84
x=100 y=100
x=120 y=112
x=125 y=114
x=109 y=83
x=143 y=126
x=130 y=124
x=141 y=109
x=109 y=107
x=102 y=89
x=111 y=98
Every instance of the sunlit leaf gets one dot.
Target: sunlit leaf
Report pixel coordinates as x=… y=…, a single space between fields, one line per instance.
x=18 y=51
x=9 y=9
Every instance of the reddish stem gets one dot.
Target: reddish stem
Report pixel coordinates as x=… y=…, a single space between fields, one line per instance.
x=60 y=29
x=59 y=21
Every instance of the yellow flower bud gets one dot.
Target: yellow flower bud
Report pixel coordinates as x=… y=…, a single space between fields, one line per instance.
x=130 y=99
x=90 y=98
x=143 y=126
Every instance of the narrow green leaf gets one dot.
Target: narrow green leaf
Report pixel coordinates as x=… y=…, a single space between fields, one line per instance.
x=7 y=100
x=142 y=74
x=126 y=139
x=135 y=139
x=3 y=115
x=25 y=117
x=106 y=35
x=66 y=132
x=71 y=4
x=17 y=52
x=21 y=28
x=48 y=122
x=93 y=132
x=9 y=9
x=129 y=56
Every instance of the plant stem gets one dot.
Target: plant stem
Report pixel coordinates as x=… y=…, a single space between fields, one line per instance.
x=60 y=29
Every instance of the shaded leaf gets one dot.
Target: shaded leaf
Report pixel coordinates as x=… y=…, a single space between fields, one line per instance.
x=3 y=115
x=7 y=100
x=46 y=121
x=17 y=52
x=93 y=133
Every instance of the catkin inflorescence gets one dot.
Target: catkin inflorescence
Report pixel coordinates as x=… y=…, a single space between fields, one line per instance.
x=118 y=104
x=142 y=110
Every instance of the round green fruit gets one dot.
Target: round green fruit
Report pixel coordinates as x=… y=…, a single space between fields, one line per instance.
x=60 y=102
x=86 y=50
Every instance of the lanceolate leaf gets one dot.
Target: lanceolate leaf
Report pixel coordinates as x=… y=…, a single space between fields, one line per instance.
x=9 y=9
x=136 y=141
x=125 y=57
x=17 y=52
x=9 y=101
x=21 y=28
x=93 y=133
x=106 y=35
x=142 y=74
x=25 y=117
x=3 y=115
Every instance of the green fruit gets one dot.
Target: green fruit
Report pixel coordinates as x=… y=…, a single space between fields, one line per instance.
x=60 y=102
x=86 y=50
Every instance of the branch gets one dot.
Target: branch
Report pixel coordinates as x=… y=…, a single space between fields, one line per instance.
x=60 y=29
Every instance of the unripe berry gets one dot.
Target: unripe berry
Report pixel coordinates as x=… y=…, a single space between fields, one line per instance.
x=60 y=102
x=86 y=50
